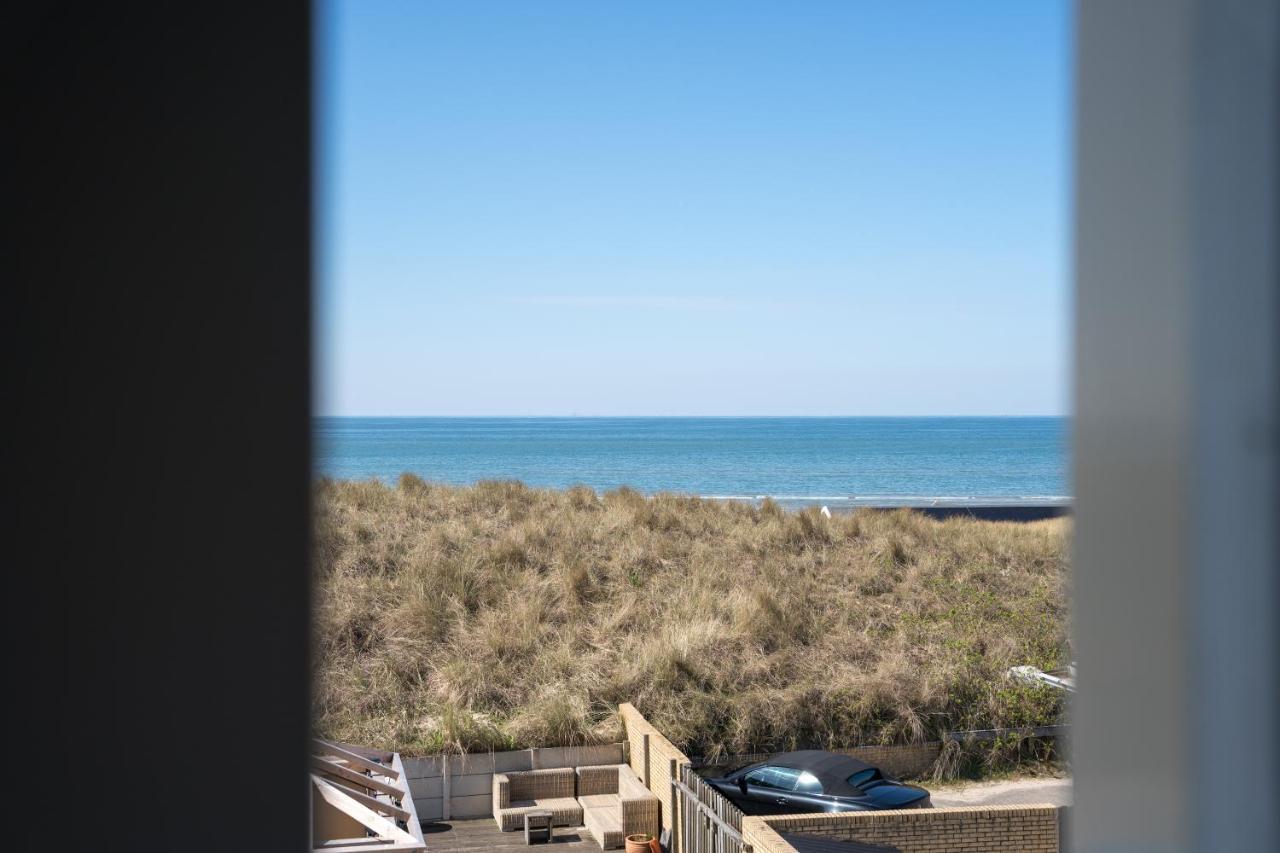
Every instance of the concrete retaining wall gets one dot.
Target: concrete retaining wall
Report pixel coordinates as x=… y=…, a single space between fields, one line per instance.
x=461 y=786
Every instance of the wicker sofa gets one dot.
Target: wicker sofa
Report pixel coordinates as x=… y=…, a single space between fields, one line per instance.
x=615 y=804
x=519 y=792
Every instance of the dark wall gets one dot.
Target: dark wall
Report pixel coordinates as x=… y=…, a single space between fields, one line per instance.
x=157 y=363
x=998 y=513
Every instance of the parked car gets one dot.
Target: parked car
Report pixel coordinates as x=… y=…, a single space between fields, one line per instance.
x=813 y=780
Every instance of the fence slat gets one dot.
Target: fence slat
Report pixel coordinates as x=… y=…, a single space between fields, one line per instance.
x=707 y=821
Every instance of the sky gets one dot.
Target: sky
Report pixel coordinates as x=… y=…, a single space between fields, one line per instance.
x=741 y=208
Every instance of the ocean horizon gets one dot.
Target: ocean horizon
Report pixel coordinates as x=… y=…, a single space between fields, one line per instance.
x=797 y=461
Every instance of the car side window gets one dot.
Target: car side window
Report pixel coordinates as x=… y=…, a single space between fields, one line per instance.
x=807 y=783
x=863 y=776
x=763 y=777
x=780 y=778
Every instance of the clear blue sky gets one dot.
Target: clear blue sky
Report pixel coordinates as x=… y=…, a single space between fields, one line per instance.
x=650 y=208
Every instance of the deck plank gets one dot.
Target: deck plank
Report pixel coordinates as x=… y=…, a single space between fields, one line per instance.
x=483 y=836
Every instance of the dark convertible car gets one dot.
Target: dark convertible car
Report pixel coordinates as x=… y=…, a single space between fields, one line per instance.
x=813 y=780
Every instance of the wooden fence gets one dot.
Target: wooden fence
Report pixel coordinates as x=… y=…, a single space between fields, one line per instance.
x=705 y=821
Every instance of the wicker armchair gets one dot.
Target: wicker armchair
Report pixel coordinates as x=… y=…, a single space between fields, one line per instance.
x=523 y=791
x=615 y=804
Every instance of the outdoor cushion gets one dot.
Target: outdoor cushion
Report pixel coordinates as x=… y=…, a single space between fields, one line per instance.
x=605 y=826
x=599 y=801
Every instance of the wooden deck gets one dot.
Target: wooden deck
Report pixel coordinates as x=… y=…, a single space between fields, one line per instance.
x=474 y=836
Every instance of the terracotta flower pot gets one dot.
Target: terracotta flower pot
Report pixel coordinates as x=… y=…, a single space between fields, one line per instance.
x=639 y=843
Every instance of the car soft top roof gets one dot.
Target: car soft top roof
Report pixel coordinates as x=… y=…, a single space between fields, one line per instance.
x=831 y=768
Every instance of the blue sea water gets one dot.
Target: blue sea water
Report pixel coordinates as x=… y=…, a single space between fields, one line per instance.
x=797 y=461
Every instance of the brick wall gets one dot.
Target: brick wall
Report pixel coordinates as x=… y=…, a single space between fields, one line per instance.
x=653 y=767
x=912 y=761
x=972 y=829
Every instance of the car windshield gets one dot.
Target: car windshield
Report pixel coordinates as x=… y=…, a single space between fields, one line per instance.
x=863 y=777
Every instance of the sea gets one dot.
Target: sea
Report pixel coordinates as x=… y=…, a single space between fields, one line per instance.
x=797 y=461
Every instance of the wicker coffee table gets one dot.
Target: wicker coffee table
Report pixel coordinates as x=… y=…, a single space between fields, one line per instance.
x=537 y=827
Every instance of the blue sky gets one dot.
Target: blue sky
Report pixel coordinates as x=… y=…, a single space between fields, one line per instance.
x=558 y=208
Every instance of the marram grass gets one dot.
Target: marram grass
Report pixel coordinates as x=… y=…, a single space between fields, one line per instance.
x=501 y=617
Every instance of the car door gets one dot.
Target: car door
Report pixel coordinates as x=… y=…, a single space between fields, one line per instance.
x=769 y=790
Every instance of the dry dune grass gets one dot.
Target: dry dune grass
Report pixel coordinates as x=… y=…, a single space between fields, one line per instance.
x=501 y=616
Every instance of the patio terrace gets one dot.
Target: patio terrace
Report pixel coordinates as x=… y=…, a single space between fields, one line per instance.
x=482 y=834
